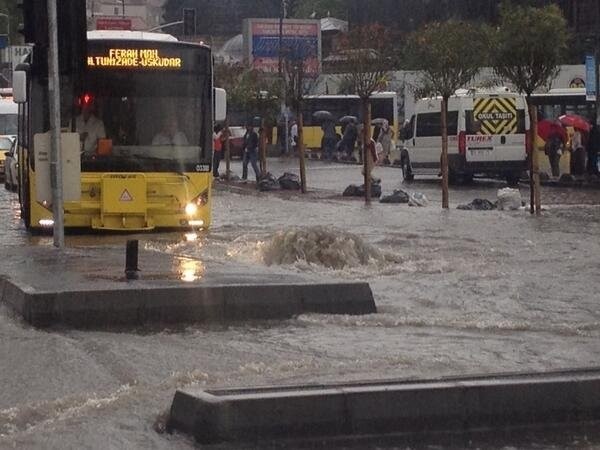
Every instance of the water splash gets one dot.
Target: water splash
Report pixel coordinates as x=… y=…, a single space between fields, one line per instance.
x=331 y=248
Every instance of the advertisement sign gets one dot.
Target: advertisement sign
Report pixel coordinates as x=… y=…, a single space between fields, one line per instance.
x=116 y=23
x=590 y=75
x=300 y=40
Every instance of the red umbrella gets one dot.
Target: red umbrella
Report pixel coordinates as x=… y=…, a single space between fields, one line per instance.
x=575 y=121
x=548 y=128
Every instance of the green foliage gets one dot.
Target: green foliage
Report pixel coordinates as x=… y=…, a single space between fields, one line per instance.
x=250 y=91
x=303 y=9
x=528 y=45
x=449 y=53
x=367 y=54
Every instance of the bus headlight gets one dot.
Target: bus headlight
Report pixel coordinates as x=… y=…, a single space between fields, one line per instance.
x=191 y=209
x=46 y=223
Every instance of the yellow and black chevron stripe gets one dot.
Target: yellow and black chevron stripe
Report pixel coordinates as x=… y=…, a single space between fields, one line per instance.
x=496 y=115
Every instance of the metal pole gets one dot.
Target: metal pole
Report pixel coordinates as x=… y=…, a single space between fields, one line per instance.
x=56 y=183
x=283 y=108
x=596 y=55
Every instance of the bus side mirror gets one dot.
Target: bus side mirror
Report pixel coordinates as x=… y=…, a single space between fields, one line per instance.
x=19 y=86
x=220 y=105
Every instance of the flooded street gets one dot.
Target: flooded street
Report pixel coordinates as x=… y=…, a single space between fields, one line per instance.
x=458 y=292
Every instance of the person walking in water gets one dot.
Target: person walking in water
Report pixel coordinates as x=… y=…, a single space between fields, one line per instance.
x=250 y=152
x=386 y=134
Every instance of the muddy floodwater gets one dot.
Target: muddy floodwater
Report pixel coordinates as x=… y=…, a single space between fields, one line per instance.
x=458 y=292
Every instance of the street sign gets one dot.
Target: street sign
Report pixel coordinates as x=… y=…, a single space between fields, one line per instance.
x=590 y=81
x=3 y=41
x=113 y=24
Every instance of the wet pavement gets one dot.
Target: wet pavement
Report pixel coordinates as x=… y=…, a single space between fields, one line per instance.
x=459 y=292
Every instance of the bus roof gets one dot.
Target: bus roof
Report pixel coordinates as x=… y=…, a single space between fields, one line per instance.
x=130 y=35
x=339 y=96
x=561 y=92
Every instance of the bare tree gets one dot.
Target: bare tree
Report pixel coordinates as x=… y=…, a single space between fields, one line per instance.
x=449 y=54
x=367 y=60
x=294 y=69
x=528 y=46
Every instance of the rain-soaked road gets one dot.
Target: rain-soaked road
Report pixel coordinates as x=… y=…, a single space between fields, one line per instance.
x=458 y=292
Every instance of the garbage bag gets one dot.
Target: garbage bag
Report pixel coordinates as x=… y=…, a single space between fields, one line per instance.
x=289 y=181
x=267 y=182
x=359 y=191
x=352 y=191
x=398 y=196
x=417 y=199
x=375 y=190
x=508 y=199
x=479 y=204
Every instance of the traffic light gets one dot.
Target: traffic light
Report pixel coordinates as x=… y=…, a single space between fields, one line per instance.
x=72 y=27
x=189 y=22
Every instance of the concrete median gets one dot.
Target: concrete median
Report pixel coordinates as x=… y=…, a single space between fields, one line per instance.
x=139 y=303
x=457 y=405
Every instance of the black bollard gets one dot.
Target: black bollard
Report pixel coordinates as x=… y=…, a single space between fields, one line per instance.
x=131 y=261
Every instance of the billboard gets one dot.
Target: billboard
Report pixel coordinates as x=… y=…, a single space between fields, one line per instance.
x=300 y=39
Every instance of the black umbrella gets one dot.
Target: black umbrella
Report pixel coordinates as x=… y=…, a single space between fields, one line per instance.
x=322 y=115
x=348 y=119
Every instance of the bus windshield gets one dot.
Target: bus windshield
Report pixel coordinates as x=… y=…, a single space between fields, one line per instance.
x=147 y=120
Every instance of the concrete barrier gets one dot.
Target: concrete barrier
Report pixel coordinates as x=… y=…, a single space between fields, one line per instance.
x=138 y=303
x=457 y=405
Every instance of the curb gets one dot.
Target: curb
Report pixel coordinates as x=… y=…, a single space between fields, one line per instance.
x=140 y=304
x=457 y=405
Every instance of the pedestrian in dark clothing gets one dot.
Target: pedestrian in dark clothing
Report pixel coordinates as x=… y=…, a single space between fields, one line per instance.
x=329 y=139
x=553 y=149
x=349 y=139
x=250 y=153
x=592 y=150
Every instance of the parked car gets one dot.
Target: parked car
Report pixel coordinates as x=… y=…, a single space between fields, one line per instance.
x=11 y=180
x=6 y=144
x=236 y=141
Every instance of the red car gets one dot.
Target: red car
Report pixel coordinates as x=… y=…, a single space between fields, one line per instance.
x=236 y=141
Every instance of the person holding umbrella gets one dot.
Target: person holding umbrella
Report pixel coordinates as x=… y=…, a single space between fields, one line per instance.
x=580 y=125
x=350 y=135
x=329 y=137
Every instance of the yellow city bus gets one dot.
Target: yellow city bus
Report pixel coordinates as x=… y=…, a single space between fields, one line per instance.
x=384 y=105
x=136 y=136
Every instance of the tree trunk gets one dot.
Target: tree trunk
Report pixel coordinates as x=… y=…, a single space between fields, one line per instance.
x=227 y=151
x=301 y=152
x=366 y=154
x=534 y=165
x=444 y=158
x=263 y=147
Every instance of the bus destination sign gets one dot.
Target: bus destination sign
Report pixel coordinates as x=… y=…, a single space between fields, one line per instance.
x=135 y=58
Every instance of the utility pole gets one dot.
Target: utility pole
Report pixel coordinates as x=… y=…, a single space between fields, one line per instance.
x=56 y=182
x=283 y=108
x=596 y=56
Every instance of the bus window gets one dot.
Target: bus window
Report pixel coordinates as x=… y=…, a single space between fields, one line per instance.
x=382 y=108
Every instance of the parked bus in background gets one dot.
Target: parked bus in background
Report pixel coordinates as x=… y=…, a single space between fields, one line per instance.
x=384 y=105
x=558 y=102
x=136 y=135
